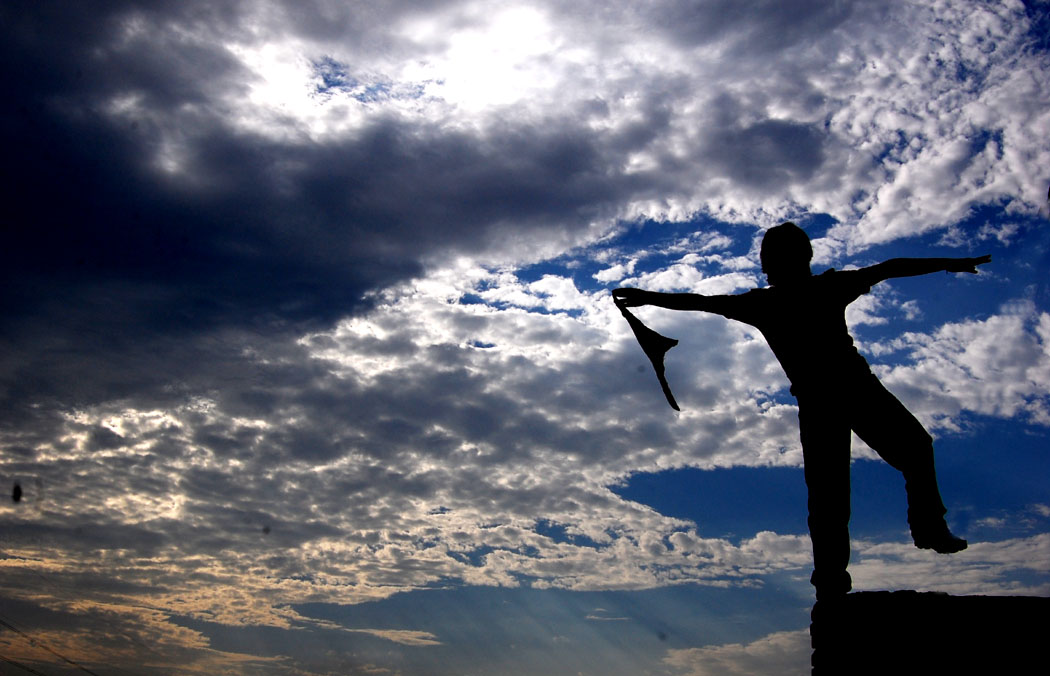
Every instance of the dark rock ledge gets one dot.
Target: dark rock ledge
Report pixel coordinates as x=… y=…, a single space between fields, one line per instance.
x=910 y=632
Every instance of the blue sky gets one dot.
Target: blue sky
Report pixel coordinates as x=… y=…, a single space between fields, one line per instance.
x=310 y=364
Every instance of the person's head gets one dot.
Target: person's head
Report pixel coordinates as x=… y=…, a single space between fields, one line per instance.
x=786 y=253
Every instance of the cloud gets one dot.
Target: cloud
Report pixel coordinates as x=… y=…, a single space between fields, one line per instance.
x=988 y=568
x=786 y=652
x=391 y=453
x=381 y=451
x=402 y=636
x=272 y=334
x=999 y=366
x=773 y=26
x=605 y=618
x=769 y=154
x=615 y=272
x=89 y=634
x=188 y=173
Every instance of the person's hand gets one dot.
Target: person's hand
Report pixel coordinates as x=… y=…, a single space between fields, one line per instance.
x=968 y=264
x=629 y=297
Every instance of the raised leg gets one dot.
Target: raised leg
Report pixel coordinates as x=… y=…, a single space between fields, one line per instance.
x=882 y=421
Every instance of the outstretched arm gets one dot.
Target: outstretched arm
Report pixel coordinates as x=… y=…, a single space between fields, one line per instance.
x=629 y=297
x=911 y=267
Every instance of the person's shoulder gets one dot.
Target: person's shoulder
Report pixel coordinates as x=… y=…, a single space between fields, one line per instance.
x=851 y=282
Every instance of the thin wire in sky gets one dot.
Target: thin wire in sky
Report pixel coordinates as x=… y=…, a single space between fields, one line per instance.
x=38 y=644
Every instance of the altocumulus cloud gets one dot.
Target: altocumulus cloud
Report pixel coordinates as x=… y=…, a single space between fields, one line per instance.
x=268 y=339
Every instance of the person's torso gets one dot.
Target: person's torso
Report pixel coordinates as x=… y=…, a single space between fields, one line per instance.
x=805 y=326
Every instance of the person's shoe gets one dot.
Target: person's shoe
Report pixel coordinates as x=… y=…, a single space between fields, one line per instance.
x=938 y=538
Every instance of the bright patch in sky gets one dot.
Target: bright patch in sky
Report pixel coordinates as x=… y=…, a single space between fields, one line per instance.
x=491 y=61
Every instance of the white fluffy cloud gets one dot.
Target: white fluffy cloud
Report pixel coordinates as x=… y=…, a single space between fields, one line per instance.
x=999 y=366
x=785 y=653
x=987 y=568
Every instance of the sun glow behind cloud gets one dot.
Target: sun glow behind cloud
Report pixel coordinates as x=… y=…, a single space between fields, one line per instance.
x=847 y=140
x=502 y=55
x=456 y=66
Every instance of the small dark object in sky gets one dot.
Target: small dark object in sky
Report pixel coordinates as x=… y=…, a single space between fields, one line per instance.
x=16 y=494
x=266 y=530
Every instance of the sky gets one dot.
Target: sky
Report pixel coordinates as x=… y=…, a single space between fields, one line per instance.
x=309 y=364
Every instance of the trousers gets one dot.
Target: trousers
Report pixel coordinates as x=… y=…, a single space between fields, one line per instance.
x=826 y=417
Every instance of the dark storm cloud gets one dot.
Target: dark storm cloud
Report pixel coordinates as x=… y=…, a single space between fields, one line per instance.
x=118 y=275
x=770 y=154
x=122 y=277
x=764 y=26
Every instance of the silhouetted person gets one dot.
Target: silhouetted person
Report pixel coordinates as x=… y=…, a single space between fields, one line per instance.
x=802 y=317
